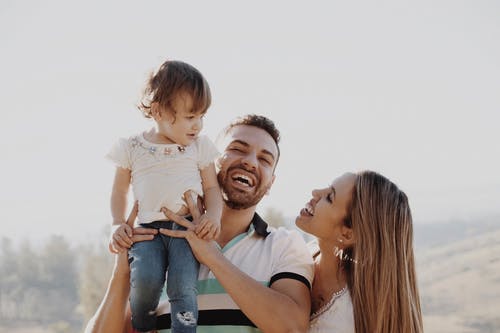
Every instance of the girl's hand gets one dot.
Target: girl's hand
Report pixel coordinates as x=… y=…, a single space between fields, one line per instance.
x=124 y=235
x=207 y=228
x=121 y=238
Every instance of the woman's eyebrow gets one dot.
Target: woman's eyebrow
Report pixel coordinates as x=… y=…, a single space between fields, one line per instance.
x=333 y=191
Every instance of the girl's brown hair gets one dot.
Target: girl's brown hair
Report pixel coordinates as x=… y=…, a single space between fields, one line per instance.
x=382 y=278
x=174 y=77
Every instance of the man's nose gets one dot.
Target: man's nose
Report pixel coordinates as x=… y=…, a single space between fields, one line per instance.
x=250 y=161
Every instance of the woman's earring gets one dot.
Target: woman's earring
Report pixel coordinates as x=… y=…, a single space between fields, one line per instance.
x=340 y=240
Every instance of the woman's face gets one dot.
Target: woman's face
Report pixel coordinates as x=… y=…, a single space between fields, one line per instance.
x=323 y=215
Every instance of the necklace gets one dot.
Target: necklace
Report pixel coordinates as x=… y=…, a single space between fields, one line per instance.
x=329 y=304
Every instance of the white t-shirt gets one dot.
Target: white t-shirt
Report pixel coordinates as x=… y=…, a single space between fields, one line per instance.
x=335 y=316
x=161 y=173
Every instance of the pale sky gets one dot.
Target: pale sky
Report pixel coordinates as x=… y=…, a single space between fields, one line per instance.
x=409 y=89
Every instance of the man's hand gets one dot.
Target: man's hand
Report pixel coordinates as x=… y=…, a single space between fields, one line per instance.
x=203 y=250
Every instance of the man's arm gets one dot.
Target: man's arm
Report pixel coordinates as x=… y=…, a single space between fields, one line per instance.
x=111 y=315
x=284 y=307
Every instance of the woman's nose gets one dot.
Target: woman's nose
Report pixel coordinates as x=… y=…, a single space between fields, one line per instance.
x=319 y=192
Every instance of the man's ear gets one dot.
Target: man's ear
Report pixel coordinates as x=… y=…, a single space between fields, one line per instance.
x=270 y=184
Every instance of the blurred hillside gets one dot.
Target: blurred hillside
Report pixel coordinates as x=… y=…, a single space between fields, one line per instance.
x=55 y=287
x=460 y=282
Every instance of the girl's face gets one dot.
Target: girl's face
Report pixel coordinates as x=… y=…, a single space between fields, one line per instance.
x=178 y=124
x=324 y=214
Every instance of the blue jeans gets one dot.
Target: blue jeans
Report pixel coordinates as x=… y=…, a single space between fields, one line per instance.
x=149 y=261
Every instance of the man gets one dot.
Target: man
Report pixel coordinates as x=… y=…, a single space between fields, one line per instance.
x=252 y=277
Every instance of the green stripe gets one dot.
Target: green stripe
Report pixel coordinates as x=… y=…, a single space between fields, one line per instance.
x=236 y=239
x=212 y=286
x=233 y=242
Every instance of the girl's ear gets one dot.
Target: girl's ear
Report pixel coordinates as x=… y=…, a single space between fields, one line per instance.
x=155 y=111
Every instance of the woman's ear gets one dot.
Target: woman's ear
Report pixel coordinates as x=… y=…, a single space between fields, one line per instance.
x=347 y=236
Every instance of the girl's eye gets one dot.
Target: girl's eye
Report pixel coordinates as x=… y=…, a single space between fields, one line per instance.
x=329 y=197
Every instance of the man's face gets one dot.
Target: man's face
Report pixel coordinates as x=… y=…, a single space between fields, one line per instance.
x=246 y=167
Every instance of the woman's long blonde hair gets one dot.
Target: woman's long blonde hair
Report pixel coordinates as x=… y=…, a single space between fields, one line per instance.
x=382 y=278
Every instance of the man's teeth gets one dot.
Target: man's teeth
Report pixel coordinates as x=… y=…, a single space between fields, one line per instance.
x=243 y=179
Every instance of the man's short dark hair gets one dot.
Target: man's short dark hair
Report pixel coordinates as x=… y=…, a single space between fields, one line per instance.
x=257 y=121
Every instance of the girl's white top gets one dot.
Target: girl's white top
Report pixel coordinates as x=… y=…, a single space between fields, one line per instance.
x=161 y=173
x=335 y=316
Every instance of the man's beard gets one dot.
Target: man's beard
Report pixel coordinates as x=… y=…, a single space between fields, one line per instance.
x=236 y=199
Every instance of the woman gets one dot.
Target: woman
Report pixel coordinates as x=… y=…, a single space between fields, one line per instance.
x=365 y=277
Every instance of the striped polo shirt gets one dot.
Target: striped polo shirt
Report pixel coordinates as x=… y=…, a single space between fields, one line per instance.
x=264 y=253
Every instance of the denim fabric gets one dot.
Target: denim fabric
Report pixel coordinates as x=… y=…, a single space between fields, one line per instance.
x=149 y=261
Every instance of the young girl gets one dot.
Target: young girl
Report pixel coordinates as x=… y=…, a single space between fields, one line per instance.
x=162 y=164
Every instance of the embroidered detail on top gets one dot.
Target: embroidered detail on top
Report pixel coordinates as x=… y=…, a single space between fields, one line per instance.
x=328 y=305
x=155 y=151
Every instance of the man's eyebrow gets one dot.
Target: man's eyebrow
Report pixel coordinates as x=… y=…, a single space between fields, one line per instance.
x=241 y=142
x=246 y=144
x=267 y=152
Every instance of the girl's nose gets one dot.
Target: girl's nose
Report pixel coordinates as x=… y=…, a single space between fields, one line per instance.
x=198 y=124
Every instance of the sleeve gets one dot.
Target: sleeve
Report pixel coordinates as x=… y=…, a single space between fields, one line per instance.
x=294 y=261
x=207 y=152
x=120 y=154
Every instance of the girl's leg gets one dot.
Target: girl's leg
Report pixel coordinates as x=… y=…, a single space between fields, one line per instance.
x=181 y=286
x=148 y=264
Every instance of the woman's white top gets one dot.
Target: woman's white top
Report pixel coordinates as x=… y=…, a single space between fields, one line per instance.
x=161 y=173
x=336 y=316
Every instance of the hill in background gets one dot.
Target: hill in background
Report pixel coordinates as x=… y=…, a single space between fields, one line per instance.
x=460 y=279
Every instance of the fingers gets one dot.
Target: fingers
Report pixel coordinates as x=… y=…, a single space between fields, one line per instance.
x=176 y=233
x=140 y=238
x=133 y=213
x=144 y=231
x=192 y=205
x=177 y=219
x=209 y=232
x=121 y=241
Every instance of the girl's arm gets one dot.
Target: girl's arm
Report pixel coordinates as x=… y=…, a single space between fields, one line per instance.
x=209 y=226
x=121 y=232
